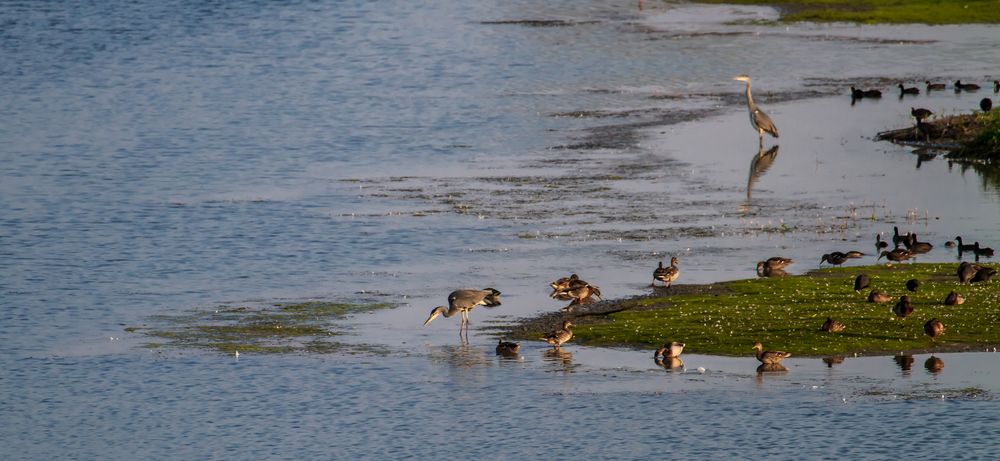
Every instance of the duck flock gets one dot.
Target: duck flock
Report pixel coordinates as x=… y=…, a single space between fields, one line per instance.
x=905 y=246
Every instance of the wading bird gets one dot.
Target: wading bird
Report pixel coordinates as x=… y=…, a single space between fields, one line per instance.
x=463 y=301
x=760 y=122
x=560 y=336
x=667 y=275
x=769 y=357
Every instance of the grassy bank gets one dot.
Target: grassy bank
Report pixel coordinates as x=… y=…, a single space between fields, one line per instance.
x=787 y=313
x=882 y=11
x=973 y=137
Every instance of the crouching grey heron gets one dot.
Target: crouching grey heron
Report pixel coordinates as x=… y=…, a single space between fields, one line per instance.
x=758 y=119
x=463 y=301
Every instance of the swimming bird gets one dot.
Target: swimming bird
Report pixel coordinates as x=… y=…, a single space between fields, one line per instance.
x=986 y=104
x=959 y=86
x=949 y=244
x=934 y=86
x=861 y=282
x=903 y=308
x=904 y=90
x=912 y=285
x=967 y=270
x=879 y=243
x=508 y=348
x=559 y=337
x=667 y=275
x=963 y=246
x=879 y=297
x=983 y=275
x=934 y=328
x=671 y=349
x=832 y=326
x=463 y=301
x=769 y=357
x=897 y=238
x=760 y=122
x=836 y=258
x=982 y=251
x=954 y=299
x=917 y=247
x=898 y=255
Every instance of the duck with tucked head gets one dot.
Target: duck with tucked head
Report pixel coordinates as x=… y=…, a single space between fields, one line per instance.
x=954 y=299
x=898 y=255
x=983 y=275
x=832 y=326
x=912 y=285
x=934 y=86
x=903 y=308
x=967 y=270
x=562 y=283
x=508 y=348
x=769 y=357
x=774 y=266
x=879 y=297
x=934 y=328
x=667 y=275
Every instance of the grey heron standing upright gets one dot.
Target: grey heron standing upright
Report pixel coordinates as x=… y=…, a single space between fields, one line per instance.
x=758 y=119
x=463 y=301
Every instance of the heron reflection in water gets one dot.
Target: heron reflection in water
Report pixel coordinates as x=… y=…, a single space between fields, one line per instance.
x=759 y=164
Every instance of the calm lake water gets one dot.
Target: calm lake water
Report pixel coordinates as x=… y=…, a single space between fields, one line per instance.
x=160 y=157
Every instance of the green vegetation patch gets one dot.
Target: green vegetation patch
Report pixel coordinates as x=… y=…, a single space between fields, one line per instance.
x=787 y=313
x=882 y=11
x=279 y=328
x=985 y=144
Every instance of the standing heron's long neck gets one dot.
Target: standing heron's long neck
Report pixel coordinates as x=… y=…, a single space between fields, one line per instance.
x=750 y=104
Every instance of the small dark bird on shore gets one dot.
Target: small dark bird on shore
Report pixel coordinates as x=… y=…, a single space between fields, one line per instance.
x=920 y=113
x=982 y=251
x=861 y=282
x=904 y=90
x=959 y=86
x=903 y=308
x=953 y=299
x=832 y=326
x=836 y=258
x=879 y=297
x=967 y=270
x=934 y=86
x=983 y=275
x=898 y=255
x=934 y=328
x=912 y=285
x=986 y=104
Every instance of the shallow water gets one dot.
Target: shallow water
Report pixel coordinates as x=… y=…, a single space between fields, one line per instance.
x=160 y=157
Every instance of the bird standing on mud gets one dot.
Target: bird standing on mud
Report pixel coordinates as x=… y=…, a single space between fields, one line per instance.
x=560 y=336
x=769 y=357
x=463 y=301
x=760 y=122
x=667 y=275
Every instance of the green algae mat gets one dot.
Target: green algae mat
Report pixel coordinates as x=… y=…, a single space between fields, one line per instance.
x=305 y=327
x=787 y=313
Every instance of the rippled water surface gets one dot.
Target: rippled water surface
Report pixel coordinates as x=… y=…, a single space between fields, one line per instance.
x=165 y=156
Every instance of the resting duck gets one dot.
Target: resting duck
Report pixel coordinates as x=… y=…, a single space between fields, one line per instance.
x=983 y=275
x=667 y=275
x=912 y=285
x=508 y=348
x=563 y=282
x=967 y=270
x=934 y=328
x=836 y=258
x=769 y=357
x=934 y=86
x=879 y=297
x=832 y=326
x=903 y=308
x=954 y=299
x=898 y=255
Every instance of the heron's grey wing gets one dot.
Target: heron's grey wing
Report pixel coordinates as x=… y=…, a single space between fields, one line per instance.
x=764 y=122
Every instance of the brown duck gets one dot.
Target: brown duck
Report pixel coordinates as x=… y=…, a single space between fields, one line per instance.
x=667 y=275
x=879 y=297
x=832 y=326
x=903 y=308
x=559 y=337
x=954 y=299
x=671 y=349
x=769 y=357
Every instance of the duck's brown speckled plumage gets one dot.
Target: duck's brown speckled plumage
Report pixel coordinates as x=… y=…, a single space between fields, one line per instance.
x=559 y=337
x=769 y=357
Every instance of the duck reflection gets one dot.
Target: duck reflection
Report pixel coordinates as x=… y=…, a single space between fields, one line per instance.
x=670 y=363
x=562 y=358
x=831 y=361
x=759 y=165
x=905 y=363
x=934 y=365
x=771 y=368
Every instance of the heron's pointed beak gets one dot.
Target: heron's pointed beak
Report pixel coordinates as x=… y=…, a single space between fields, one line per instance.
x=434 y=313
